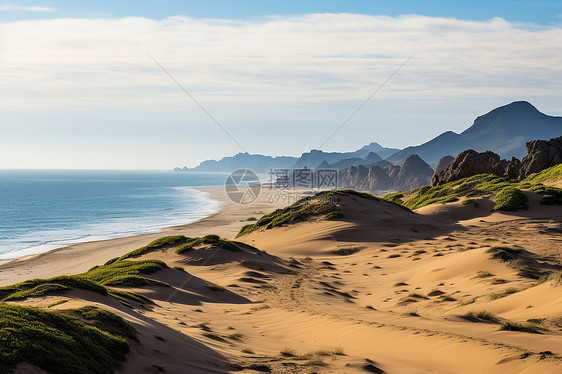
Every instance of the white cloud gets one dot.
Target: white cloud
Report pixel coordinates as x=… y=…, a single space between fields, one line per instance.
x=8 y=7
x=314 y=57
x=302 y=71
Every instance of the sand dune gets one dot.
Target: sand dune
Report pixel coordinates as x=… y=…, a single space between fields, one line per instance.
x=380 y=289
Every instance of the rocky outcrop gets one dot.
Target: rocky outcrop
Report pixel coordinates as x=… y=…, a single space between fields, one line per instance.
x=352 y=176
x=373 y=178
x=392 y=171
x=513 y=168
x=469 y=163
x=415 y=172
x=378 y=179
x=541 y=154
x=443 y=164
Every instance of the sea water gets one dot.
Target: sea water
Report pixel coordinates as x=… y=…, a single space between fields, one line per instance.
x=45 y=209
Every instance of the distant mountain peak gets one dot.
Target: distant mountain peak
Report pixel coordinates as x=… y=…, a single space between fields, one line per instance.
x=513 y=109
x=503 y=130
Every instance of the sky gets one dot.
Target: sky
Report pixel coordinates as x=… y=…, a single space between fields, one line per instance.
x=153 y=85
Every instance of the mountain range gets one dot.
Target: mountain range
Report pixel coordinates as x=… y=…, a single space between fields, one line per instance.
x=366 y=155
x=504 y=130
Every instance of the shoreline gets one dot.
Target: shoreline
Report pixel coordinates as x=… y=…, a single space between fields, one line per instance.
x=79 y=257
x=211 y=206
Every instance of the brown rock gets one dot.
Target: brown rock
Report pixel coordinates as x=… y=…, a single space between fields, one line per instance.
x=513 y=168
x=441 y=167
x=541 y=154
x=443 y=164
x=373 y=178
x=469 y=163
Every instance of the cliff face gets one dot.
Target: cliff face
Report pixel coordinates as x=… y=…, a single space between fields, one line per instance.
x=413 y=173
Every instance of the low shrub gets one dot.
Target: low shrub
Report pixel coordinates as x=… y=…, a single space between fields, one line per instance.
x=504 y=254
x=165 y=241
x=511 y=199
x=482 y=315
x=504 y=293
x=212 y=239
x=513 y=326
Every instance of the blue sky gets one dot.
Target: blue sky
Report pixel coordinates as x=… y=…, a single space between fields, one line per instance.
x=541 y=12
x=78 y=90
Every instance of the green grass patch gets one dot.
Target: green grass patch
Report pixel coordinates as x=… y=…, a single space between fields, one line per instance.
x=334 y=215
x=166 y=241
x=477 y=185
x=551 y=173
x=511 y=199
x=395 y=198
x=212 y=240
x=481 y=185
x=550 y=195
x=120 y=273
x=56 y=303
x=88 y=340
x=467 y=201
x=40 y=287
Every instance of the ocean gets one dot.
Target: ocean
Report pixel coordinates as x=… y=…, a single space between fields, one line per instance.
x=45 y=209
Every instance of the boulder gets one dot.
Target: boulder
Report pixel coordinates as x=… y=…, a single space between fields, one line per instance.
x=541 y=154
x=513 y=168
x=469 y=163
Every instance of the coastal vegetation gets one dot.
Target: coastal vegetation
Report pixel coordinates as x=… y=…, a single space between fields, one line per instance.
x=182 y=244
x=98 y=279
x=88 y=340
x=213 y=240
x=509 y=193
x=510 y=199
x=163 y=242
